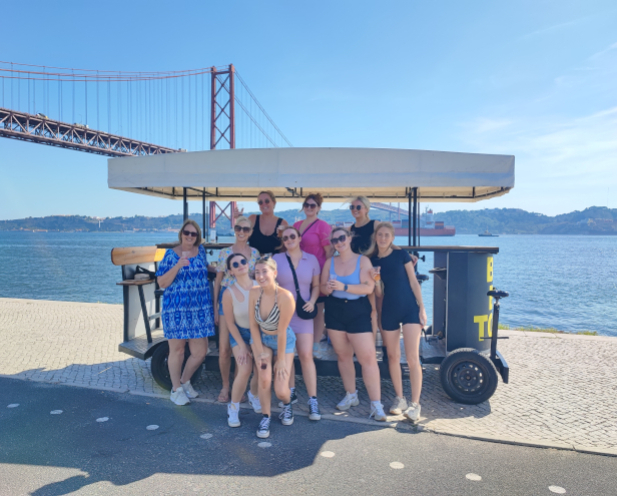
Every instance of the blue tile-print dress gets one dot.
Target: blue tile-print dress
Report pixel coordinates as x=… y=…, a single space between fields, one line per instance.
x=187 y=304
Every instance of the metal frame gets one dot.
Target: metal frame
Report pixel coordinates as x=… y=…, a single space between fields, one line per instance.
x=28 y=127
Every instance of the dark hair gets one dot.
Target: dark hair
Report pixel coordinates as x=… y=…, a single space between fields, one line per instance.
x=190 y=222
x=269 y=193
x=315 y=196
x=231 y=257
x=281 y=248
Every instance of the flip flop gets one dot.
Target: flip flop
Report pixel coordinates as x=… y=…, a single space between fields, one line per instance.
x=223 y=397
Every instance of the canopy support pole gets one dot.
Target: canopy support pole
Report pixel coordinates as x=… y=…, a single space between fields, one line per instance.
x=185 y=210
x=203 y=216
x=409 y=218
x=415 y=213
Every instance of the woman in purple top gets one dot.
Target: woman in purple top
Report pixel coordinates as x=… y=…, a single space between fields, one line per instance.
x=307 y=271
x=316 y=240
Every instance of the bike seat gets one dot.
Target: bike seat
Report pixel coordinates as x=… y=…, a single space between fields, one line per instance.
x=496 y=293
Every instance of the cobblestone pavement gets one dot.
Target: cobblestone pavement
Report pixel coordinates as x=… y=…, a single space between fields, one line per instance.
x=562 y=391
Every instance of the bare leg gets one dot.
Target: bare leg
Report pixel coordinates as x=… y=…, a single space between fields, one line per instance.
x=255 y=381
x=265 y=382
x=304 y=344
x=392 y=341
x=411 y=336
x=224 y=359
x=199 y=348
x=344 y=352
x=243 y=372
x=292 y=375
x=175 y=360
x=319 y=323
x=364 y=347
x=281 y=386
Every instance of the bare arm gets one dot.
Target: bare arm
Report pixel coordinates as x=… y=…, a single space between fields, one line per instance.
x=228 y=310
x=215 y=296
x=287 y=307
x=309 y=306
x=253 y=327
x=166 y=279
x=325 y=275
x=417 y=291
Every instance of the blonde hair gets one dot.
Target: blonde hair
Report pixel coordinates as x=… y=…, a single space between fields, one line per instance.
x=362 y=199
x=244 y=220
x=267 y=260
x=196 y=226
x=269 y=193
x=373 y=249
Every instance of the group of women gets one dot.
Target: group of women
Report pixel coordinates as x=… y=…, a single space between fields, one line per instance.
x=277 y=289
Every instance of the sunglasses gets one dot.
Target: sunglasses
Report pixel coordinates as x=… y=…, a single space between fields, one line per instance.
x=340 y=239
x=310 y=205
x=235 y=265
x=192 y=234
x=291 y=236
x=245 y=229
x=261 y=202
x=357 y=207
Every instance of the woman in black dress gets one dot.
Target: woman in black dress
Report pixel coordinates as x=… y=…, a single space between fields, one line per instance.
x=363 y=227
x=402 y=305
x=266 y=225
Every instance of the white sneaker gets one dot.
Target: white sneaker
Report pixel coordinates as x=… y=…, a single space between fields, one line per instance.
x=377 y=412
x=317 y=351
x=179 y=397
x=188 y=389
x=350 y=399
x=314 y=413
x=399 y=405
x=254 y=402
x=263 y=431
x=233 y=419
x=413 y=412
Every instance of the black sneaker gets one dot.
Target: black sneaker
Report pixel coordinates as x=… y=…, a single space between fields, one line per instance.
x=287 y=415
x=314 y=413
x=293 y=400
x=263 y=431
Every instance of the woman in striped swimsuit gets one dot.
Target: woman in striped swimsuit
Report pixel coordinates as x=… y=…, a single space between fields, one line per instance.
x=270 y=333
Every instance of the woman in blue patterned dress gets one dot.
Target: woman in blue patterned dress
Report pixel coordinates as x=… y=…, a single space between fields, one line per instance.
x=187 y=308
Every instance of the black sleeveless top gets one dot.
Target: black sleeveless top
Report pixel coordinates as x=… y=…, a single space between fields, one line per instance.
x=361 y=240
x=262 y=243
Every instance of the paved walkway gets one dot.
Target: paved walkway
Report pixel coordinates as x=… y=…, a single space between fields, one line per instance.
x=562 y=391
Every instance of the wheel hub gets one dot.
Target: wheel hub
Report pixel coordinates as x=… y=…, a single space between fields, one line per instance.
x=468 y=377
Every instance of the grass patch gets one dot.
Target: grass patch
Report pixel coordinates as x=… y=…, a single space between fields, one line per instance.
x=550 y=330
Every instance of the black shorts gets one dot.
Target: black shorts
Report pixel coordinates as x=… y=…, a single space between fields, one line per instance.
x=352 y=316
x=393 y=316
x=321 y=299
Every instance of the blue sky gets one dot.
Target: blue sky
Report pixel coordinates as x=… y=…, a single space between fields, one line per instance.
x=535 y=79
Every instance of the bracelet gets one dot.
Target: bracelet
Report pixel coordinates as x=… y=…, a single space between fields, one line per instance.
x=346 y=287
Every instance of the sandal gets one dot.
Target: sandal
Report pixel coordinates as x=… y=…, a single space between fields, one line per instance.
x=223 y=396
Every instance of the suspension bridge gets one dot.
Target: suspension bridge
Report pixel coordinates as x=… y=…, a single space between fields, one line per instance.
x=120 y=113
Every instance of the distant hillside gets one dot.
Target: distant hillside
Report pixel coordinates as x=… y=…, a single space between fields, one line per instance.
x=593 y=220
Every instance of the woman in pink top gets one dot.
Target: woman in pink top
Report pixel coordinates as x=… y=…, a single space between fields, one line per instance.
x=307 y=272
x=315 y=240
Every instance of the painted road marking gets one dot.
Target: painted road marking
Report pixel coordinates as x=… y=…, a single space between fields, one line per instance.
x=264 y=445
x=473 y=477
x=397 y=465
x=13 y=405
x=206 y=436
x=327 y=454
x=557 y=489
x=152 y=427
x=56 y=412
x=102 y=419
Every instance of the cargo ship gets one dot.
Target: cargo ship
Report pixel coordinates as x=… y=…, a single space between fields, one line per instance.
x=428 y=226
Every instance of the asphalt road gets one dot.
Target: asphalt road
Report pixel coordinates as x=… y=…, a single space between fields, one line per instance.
x=71 y=453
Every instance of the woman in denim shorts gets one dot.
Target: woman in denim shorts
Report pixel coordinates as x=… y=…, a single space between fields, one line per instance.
x=270 y=310
x=236 y=314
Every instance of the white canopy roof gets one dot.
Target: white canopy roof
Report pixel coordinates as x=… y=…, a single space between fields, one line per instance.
x=381 y=174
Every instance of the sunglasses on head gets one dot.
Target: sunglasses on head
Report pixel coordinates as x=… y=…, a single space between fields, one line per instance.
x=357 y=207
x=245 y=229
x=261 y=202
x=310 y=205
x=292 y=236
x=235 y=265
x=340 y=239
x=192 y=234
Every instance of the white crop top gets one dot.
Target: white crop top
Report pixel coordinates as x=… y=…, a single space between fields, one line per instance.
x=241 y=308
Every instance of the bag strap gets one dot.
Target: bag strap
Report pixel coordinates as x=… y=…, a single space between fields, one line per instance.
x=293 y=271
x=309 y=226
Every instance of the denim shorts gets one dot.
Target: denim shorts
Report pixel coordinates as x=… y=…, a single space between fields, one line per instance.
x=223 y=288
x=244 y=333
x=272 y=341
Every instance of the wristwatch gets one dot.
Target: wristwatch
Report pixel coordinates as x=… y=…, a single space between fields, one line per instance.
x=345 y=289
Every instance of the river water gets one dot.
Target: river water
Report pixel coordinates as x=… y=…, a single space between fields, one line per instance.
x=565 y=282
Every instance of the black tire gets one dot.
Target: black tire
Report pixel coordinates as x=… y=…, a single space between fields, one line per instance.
x=468 y=377
x=158 y=366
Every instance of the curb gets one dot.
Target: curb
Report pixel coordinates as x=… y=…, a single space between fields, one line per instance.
x=396 y=424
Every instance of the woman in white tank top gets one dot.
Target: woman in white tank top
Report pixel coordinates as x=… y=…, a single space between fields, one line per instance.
x=236 y=313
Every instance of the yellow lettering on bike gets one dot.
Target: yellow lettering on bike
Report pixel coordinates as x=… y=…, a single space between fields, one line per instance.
x=489 y=269
x=490 y=325
x=490 y=299
x=480 y=320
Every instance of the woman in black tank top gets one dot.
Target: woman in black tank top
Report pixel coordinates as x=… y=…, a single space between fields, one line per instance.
x=267 y=222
